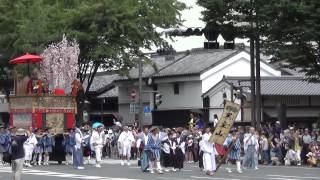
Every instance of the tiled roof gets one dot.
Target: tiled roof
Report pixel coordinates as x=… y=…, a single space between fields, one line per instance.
x=102 y=85
x=111 y=93
x=285 y=85
x=149 y=68
x=187 y=63
x=196 y=62
x=101 y=80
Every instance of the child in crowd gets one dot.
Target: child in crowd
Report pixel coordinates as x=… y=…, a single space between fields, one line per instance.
x=190 y=149
x=38 y=150
x=313 y=156
x=290 y=158
x=48 y=143
x=69 y=142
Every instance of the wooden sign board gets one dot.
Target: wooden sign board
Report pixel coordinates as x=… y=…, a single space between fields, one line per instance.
x=225 y=122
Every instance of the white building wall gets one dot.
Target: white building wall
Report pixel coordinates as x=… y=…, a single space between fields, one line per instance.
x=216 y=100
x=239 y=68
x=189 y=96
x=238 y=65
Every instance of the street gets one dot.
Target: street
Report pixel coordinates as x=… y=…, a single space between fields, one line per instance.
x=112 y=170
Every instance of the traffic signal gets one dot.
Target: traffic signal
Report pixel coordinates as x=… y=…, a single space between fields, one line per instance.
x=212 y=31
x=185 y=32
x=158 y=100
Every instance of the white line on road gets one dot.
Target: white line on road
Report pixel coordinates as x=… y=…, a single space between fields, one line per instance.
x=58 y=174
x=248 y=177
x=283 y=179
x=200 y=177
x=290 y=167
x=172 y=178
x=284 y=176
x=134 y=167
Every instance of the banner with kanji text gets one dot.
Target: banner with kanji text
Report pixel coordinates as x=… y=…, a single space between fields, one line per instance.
x=225 y=122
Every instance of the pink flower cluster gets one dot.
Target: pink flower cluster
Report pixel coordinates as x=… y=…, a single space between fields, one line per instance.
x=60 y=64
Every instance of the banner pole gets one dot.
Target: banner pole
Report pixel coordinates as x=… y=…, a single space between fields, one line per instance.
x=227 y=153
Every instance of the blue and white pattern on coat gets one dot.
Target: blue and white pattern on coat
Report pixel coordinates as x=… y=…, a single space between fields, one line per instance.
x=48 y=143
x=154 y=145
x=234 y=153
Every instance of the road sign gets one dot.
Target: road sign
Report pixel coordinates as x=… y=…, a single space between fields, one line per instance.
x=147 y=111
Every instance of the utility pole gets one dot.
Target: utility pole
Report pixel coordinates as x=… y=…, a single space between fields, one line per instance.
x=252 y=71
x=258 y=76
x=253 y=84
x=140 y=56
x=258 y=82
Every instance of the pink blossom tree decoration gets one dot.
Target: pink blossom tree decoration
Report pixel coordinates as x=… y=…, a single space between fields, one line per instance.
x=60 y=64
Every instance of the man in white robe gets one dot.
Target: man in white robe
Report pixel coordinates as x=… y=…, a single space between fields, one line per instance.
x=251 y=148
x=98 y=141
x=28 y=147
x=125 y=141
x=209 y=153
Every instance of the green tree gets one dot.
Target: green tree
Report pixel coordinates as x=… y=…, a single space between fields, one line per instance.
x=109 y=32
x=289 y=29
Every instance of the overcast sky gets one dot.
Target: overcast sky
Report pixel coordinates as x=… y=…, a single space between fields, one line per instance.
x=192 y=18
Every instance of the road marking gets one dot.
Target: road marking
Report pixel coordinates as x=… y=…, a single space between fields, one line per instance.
x=134 y=167
x=290 y=167
x=200 y=177
x=249 y=177
x=186 y=170
x=283 y=179
x=115 y=161
x=172 y=178
x=58 y=174
x=284 y=176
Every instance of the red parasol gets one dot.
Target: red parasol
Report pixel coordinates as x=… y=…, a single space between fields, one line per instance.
x=27 y=58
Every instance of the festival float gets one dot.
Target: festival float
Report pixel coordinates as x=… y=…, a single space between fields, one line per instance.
x=46 y=97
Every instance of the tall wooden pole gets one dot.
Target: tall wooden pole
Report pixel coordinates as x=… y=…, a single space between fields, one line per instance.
x=252 y=71
x=258 y=76
x=140 y=92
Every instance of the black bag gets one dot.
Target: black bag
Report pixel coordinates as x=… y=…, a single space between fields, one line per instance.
x=7 y=157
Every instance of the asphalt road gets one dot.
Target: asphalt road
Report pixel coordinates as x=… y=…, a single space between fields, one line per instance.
x=112 y=170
